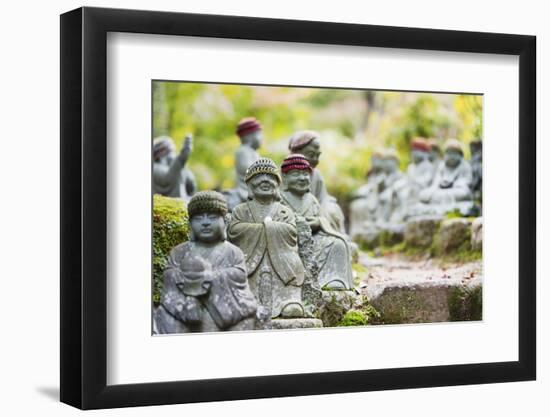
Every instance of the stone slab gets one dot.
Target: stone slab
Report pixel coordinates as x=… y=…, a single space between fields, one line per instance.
x=299 y=323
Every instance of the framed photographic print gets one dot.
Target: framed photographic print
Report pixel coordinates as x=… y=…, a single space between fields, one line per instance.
x=257 y=207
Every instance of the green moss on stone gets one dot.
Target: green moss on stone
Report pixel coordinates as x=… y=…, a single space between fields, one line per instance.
x=170 y=228
x=354 y=318
x=466 y=304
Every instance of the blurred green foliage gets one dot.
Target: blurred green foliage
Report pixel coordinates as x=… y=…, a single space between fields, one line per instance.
x=351 y=123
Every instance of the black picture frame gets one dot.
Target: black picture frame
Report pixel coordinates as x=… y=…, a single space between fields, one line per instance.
x=84 y=207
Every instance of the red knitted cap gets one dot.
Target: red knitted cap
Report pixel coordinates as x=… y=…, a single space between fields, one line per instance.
x=248 y=125
x=420 y=144
x=295 y=161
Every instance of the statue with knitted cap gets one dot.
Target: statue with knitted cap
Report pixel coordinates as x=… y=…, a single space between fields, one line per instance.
x=331 y=250
x=249 y=131
x=170 y=177
x=205 y=281
x=420 y=171
x=266 y=232
x=451 y=187
x=308 y=143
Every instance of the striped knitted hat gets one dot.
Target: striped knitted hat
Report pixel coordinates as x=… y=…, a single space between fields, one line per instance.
x=262 y=166
x=248 y=125
x=295 y=161
x=207 y=202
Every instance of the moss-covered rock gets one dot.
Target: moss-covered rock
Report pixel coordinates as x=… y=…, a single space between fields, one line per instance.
x=412 y=304
x=466 y=303
x=477 y=234
x=391 y=236
x=170 y=228
x=454 y=235
x=354 y=318
x=334 y=305
x=420 y=232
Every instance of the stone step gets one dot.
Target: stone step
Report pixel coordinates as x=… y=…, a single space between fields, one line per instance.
x=426 y=296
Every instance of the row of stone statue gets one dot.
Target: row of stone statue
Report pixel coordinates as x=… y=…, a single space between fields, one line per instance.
x=172 y=179
x=269 y=259
x=435 y=184
x=286 y=234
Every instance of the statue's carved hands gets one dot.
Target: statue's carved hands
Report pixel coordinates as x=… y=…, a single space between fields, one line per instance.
x=267 y=220
x=207 y=278
x=187 y=147
x=314 y=223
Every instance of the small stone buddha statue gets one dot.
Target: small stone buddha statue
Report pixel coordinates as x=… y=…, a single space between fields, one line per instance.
x=331 y=251
x=451 y=187
x=249 y=131
x=420 y=171
x=266 y=232
x=205 y=281
x=364 y=206
x=392 y=198
x=436 y=155
x=308 y=143
x=476 y=162
x=170 y=177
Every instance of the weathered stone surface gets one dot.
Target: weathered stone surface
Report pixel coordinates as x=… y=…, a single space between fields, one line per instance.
x=408 y=294
x=453 y=235
x=205 y=282
x=300 y=323
x=334 y=306
x=477 y=234
x=275 y=270
x=420 y=232
x=369 y=238
x=392 y=235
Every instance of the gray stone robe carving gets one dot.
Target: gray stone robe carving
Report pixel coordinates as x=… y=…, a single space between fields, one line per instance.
x=188 y=306
x=269 y=242
x=331 y=251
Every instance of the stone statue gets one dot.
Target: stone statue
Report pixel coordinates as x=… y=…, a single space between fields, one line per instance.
x=205 y=281
x=266 y=232
x=364 y=206
x=420 y=171
x=170 y=177
x=450 y=189
x=331 y=251
x=476 y=162
x=392 y=197
x=249 y=131
x=436 y=155
x=308 y=144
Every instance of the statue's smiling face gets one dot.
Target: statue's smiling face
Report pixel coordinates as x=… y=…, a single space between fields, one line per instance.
x=312 y=152
x=298 y=181
x=207 y=227
x=263 y=186
x=453 y=158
